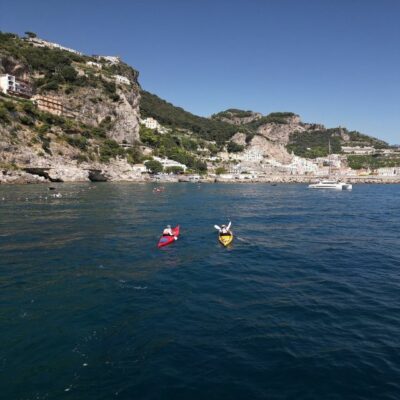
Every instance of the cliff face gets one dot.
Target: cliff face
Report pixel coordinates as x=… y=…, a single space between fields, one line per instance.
x=92 y=88
x=280 y=133
x=92 y=107
x=270 y=138
x=97 y=112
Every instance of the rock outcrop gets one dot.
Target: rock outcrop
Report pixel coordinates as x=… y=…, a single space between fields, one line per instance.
x=92 y=107
x=237 y=117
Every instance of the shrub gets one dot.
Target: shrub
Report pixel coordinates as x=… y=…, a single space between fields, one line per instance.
x=25 y=120
x=29 y=108
x=134 y=155
x=221 y=170
x=174 y=170
x=78 y=142
x=45 y=143
x=4 y=116
x=114 y=97
x=154 y=166
x=30 y=34
x=110 y=149
x=233 y=147
x=51 y=85
x=81 y=158
x=148 y=136
x=9 y=106
x=69 y=73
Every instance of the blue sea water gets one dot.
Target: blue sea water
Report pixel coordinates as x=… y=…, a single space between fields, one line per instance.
x=304 y=305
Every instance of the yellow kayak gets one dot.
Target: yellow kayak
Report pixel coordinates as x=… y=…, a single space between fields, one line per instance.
x=226 y=239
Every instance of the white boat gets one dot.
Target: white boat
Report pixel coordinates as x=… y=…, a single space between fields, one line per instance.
x=331 y=184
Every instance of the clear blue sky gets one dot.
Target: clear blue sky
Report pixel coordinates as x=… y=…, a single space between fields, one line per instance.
x=331 y=61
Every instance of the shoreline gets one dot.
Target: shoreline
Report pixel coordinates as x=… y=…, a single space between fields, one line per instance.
x=19 y=177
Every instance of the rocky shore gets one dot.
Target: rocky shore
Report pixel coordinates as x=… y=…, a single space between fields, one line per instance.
x=121 y=171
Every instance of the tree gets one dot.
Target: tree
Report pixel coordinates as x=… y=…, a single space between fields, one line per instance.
x=233 y=147
x=154 y=166
x=31 y=35
x=221 y=170
x=174 y=170
x=69 y=73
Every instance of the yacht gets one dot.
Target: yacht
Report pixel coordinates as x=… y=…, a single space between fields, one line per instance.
x=331 y=184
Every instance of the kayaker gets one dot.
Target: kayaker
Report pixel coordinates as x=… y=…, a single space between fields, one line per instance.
x=168 y=231
x=224 y=230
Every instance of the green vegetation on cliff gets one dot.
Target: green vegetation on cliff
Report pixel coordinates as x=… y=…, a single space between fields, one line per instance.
x=315 y=143
x=22 y=118
x=174 y=146
x=359 y=139
x=176 y=117
x=233 y=147
x=55 y=68
x=372 y=161
x=275 y=117
x=232 y=112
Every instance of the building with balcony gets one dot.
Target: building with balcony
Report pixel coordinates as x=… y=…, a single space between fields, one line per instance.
x=52 y=105
x=152 y=123
x=12 y=86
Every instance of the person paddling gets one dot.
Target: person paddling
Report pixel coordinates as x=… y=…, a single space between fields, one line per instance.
x=224 y=230
x=168 y=232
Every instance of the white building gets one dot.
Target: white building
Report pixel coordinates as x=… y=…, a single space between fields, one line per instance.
x=226 y=176
x=109 y=59
x=253 y=155
x=388 y=171
x=122 y=79
x=235 y=169
x=94 y=64
x=334 y=160
x=44 y=43
x=9 y=84
x=387 y=152
x=166 y=163
x=358 y=150
x=139 y=168
x=152 y=123
x=301 y=166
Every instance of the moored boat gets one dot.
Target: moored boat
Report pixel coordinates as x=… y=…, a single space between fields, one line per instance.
x=331 y=184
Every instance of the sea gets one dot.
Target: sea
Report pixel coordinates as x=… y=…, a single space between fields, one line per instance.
x=305 y=303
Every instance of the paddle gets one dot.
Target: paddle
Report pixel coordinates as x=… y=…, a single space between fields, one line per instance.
x=217 y=227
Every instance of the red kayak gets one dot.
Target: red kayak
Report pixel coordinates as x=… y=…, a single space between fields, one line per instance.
x=165 y=240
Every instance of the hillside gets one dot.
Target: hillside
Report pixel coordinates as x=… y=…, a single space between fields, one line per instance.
x=69 y=116
x=68 y=113
x=176 y=117
x=308 y=140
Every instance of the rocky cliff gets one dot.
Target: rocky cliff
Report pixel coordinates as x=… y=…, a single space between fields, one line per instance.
x=83 y=115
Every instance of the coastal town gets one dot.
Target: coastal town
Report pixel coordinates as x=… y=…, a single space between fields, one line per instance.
x=265 y=156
